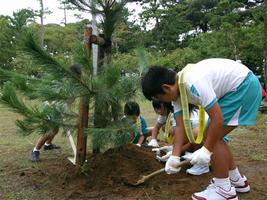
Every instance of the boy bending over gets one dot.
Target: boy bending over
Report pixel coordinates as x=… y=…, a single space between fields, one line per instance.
x=231 y=94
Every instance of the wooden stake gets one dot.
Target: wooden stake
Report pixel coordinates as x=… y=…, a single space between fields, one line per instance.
x=84 y=109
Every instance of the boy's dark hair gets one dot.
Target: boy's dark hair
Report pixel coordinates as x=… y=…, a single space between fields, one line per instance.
x=131 y=108
x=154 y=78
x=157 y=104
x=76 y=69
x=192 y=107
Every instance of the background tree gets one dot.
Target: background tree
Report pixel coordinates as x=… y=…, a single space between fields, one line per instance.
x=110 y=14
x=7 y=46
x=58 y=83
x=41 y=13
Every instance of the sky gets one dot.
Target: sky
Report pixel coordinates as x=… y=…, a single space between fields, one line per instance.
x=9 y=6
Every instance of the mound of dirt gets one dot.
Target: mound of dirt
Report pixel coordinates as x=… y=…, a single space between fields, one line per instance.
x=121 y=165
x=107 y=176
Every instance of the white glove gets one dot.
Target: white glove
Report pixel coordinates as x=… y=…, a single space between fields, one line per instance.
x=187 y=156
x=139 y=145
x=166 y=148
x=171 y=165
x=201 y=156
x=157 y=151
x=165 y=157
x=153 y=143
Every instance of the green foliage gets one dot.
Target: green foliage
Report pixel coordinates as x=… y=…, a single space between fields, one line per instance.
x=9 y=97
x=60 y=40
x=20 y=19
x=114 y=135
x=176 y=59
x=112 y=90
x=111 y=13
x=31 y=48
x=11 y=30
x=133 y=62
x=20 y=81
x=56 y=82
x=232 y=42
x=50 y=65
x=184 y=32
x=176 y=22
x=126 y=37
x=7 y=52
x=126 y=62
x=34 y=119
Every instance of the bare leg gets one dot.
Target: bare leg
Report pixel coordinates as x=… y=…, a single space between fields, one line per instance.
x=221 y=152
x=41 y=142
x=141 y=139
x=46 y=138
x=51 y=136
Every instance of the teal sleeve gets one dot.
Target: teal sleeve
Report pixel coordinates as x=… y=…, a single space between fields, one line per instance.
x=143 y=125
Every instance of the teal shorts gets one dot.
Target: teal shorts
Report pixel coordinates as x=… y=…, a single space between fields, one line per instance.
x=240 y=107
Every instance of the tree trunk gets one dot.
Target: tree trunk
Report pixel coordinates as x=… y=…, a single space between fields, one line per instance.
x=81 y=137
x=65 y=13
x=42 y=24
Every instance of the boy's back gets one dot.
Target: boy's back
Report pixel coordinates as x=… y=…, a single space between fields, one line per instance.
x=223 y=74
x=211 y=79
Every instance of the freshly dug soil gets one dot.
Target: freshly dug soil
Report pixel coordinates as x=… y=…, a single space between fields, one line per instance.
x=105 y=176
x=108 y=176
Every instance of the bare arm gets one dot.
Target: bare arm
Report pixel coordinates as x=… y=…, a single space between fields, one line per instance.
x=155 y=130
x=179 y=137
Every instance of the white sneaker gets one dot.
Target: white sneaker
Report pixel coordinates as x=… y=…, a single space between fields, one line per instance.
x=214 y=192
x=241 y=185
x=153 y=143
x=198 y=170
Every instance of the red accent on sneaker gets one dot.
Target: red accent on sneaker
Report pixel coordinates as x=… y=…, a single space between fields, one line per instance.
x=224 y=193
x=202 y=198
x=232 y=197
x=198 y=198
x=219 y=191
x=245 y=187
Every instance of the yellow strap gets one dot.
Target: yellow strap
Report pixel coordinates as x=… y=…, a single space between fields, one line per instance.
x=186 y=112
x=201 y=122
x=168 y=125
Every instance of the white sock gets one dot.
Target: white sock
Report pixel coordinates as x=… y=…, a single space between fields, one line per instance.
x=34 y=149
x=223 y=183
x=46 y=144
x=234 y=174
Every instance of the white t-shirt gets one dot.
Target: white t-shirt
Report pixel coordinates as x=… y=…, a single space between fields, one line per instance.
x=210 y=79
x=161 y=119
x=194 y=119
